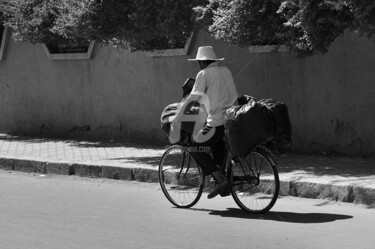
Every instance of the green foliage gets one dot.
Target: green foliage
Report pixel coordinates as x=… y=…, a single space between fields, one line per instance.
x=144 y=24
x=46 y=21
x=2 y=17
x=243 y=22
x=305 y=26
x=134 y=24
x=312 y=25
x=364 y=17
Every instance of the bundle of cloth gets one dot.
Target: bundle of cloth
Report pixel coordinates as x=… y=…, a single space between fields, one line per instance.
x=180 y=133
x=252 y=123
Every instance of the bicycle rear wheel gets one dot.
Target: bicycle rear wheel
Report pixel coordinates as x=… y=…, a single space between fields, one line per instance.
x=180 y=177
x=256 y=182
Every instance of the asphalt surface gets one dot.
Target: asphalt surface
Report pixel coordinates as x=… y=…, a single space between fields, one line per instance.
x=337 y=178
x=59 y=212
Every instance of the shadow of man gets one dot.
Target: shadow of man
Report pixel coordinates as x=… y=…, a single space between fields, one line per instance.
x=290 y=217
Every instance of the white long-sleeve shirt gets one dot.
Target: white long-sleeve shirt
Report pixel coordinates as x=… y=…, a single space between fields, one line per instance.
x=216 y=86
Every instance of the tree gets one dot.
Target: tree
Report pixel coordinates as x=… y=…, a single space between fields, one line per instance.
x=134 y=24
x=363 y=17
x=244 y=23
x=144 y=24
x=311 y=26
x=1 y=26
x=1 y=15
x=305 y=26
x=45 y=21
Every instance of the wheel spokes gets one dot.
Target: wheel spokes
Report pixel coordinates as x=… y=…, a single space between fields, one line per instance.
x=180 y=177
x=258 y=190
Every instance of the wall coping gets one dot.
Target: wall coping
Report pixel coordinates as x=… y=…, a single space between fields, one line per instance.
x=2 y=42
x=70 y=56
x=174 y=52
x=268 y=49
x=188 y=45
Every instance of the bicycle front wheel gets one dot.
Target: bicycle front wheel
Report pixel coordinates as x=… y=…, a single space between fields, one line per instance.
x=256 y=183
x=180 y=177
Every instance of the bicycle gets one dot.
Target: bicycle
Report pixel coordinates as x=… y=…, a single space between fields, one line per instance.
x=254 y=190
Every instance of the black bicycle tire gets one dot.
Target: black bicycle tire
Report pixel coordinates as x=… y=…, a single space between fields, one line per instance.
x=277 y=186
x=162 y=185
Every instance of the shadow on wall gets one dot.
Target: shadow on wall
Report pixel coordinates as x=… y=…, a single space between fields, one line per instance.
x=102 y=133
x=82 y=141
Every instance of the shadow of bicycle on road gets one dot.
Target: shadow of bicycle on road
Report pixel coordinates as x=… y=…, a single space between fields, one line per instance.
x=289 y=217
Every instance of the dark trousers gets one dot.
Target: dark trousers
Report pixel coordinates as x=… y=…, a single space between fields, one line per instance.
x=215 y=145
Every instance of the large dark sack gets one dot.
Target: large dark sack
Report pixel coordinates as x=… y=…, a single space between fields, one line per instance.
x=247 y=126
x=282 y=141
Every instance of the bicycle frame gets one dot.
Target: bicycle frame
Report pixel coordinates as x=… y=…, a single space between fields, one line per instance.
x=183 y=163
x=249 y=176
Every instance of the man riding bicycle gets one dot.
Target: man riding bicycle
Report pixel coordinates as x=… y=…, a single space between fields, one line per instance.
x=215 y=88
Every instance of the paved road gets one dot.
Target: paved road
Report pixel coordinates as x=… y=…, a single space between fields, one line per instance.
x=49 y=211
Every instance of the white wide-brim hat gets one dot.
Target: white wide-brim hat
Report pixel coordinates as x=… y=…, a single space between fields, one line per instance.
x=206 y=53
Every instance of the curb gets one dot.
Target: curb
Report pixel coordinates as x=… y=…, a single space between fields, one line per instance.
x=296 y=188
x=79 y=169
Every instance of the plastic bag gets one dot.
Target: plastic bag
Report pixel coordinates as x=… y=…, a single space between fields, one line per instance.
x=247 y=126
x=282 y=141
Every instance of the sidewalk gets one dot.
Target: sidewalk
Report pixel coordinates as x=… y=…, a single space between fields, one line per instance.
x=338 y=178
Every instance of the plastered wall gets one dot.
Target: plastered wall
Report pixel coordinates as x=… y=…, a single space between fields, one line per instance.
x=120 y=94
